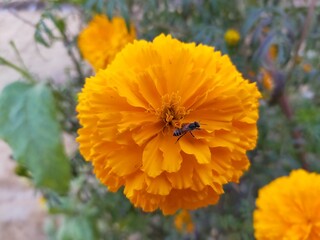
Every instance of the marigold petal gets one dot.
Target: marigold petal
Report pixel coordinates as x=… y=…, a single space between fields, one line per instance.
x=152 y=158
x=123 y=164
x=213 y=120
x=146 y=132
x=86 y=145
x=159 y=185
x=202 y=177
x=131 y=120
x=172 y=158
x=198 y=148
x=149 y=89
x=183 y=178
x=113 y=181
x=128 y=89
x=188 y=199
x=148 y=202
x=225 y=139
x=134 y=182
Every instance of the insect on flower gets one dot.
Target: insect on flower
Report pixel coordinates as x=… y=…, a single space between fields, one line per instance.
x=186 y=127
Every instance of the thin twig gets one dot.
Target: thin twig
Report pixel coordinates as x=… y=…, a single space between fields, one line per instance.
x=72 y=56
x=306 y=27
x=22 y=5
x=297 y=135
x=15 y=14
x=23 y=72
x=15 y=49
x=304 y=34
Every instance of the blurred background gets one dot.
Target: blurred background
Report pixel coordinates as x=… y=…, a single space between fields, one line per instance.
x=272 y=42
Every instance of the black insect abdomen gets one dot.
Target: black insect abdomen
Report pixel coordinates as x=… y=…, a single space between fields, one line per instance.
x=177 y=132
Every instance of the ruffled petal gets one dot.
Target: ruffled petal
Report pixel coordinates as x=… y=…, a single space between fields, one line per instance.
x=133 y=183
x=183 y=178
x=197 y=148
x=121 y=163
x=172 y=158
x=152 y=158
x=159 y=185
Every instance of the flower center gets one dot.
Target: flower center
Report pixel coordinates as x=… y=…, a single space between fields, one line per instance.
x=171 y=112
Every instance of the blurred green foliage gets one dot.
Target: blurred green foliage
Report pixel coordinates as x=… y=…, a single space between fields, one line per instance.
x=289 y=125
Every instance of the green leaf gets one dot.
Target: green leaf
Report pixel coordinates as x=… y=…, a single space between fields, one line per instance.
x=100 y=5
x=77 y=228
x=89 y=4
x=60 y=24
x=110 y=9
x=43 y=34
x=28 y=123
x=251 y=20
x=125 y=13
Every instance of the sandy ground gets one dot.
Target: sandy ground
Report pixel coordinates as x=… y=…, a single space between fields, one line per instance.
x=21 y=213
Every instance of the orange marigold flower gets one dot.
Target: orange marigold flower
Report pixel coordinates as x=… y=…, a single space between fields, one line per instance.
x=289 y=208
x=130 y=110
x=183 y=222
x=102 y=39
x=232 y=37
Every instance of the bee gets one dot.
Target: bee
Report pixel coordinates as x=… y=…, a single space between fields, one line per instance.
x=186 y=127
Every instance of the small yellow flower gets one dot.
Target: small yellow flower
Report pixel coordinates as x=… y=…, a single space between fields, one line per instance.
x=102 y=39
x=183 y=222
x=298 y=59
x=130 y=110
x=43 y=202
x=289 y=208
x=232 y=37
x=306 y=67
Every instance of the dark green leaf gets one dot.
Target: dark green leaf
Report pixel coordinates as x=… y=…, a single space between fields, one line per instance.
x=43 y=34
x=251 y=20
x=28 y=123
x=60 y=24
x=101 y=6
x=89 y=4
x=125 y=13
x=110 y=8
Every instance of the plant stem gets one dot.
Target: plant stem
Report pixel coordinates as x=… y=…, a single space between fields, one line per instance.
x=72 y=56
x=296 y=133
x=23 y=72
x=304 y=33
x=298 y=141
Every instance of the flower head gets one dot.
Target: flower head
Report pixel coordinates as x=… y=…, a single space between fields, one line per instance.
x=289 y=208
x=232 y=37
x=102 y=39
x=183 y=222
x=130 y=110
